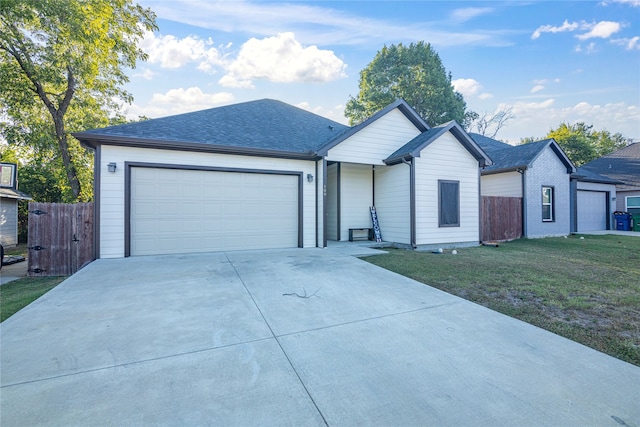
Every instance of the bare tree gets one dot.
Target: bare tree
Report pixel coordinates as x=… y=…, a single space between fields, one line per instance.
x=490 y=124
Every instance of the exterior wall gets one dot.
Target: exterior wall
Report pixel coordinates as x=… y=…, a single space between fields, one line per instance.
x=112 y=187
x=621 y=202
x=356 y=196
x=332 y=202
x=392 y=202
x=447 y=159
x=593 y=186
x=547 y=170
x=375 y=142
x=508 y=184
x=8 y=222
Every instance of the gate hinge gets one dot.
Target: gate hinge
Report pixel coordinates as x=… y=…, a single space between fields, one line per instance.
x=38 y=212
x=37 y=248
x=37 y=270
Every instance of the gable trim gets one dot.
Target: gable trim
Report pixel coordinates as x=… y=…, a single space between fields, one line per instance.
x=400 y=104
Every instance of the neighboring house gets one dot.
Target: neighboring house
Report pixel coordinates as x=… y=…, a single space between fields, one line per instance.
x=538 y=174
x=9 y=197
x=265 y=174
x=593 y=201
x=622 y=166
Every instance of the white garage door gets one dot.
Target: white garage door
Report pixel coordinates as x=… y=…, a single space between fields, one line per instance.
x=185 y=211
x=592 y=210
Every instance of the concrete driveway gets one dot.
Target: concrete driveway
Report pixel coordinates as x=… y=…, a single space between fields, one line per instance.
x=222 y=339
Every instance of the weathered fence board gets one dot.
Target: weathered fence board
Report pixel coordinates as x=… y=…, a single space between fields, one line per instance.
x=501 y=218
x=60 y=238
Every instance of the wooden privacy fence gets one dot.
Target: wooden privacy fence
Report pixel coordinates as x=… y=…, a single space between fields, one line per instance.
x=501 y=218
x=60 y=238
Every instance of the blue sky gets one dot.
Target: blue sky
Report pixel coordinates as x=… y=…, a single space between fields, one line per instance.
x=550 y=62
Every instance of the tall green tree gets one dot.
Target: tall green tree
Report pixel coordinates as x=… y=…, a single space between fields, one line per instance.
x=414 y=73
x=63 y=66
x=582 y=143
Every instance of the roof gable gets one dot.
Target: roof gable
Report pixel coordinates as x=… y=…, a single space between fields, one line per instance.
x=256 y=127
x=513 y=157
x=414 y=147
x=400 y=104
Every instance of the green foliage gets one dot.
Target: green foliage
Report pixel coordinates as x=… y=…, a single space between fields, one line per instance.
x=414 y=73
x=583 y=144
x=63 y=64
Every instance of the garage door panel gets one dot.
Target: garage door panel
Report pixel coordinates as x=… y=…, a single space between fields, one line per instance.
x=592 y=210
x=211 y=211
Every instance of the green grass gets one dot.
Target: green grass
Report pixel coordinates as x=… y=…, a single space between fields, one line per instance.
x=16 y=295
x=587 y=290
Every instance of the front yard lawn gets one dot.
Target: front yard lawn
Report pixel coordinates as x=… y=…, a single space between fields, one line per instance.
x=585 y=289
x=16 y=295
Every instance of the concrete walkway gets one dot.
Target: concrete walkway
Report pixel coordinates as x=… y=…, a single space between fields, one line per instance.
x=294 y=337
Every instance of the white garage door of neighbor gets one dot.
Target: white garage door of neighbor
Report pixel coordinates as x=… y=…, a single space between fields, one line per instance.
x=592 y=210
x=186 y=211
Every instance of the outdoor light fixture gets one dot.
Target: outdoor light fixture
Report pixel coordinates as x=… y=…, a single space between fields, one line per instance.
x=309 y=177
x=112 y=167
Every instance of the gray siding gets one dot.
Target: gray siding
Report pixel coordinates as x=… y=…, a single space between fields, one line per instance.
x=8 y=222
x=547 y=170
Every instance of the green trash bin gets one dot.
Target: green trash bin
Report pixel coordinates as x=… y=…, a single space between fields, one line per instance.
x=635 y=222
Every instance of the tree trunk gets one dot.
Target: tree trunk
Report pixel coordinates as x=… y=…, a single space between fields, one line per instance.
x=69 y=167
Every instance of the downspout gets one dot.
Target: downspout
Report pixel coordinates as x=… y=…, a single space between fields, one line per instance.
x=317 y=202
x=97 y=160
x=524 y=203
x=412 y=200
x=324 y=202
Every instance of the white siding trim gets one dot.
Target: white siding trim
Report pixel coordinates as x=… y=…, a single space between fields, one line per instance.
x=507 y=184
x=112 y=208
x=392 y=202
x=446 y=159
x=356 y=196
x=374 y=143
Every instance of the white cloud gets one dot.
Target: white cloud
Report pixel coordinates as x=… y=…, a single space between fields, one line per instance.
x=146 y=74
x=566 y=26
x=180 y=100
x=633 y=3
x=282 y=59
x=603 y=30
x=469 y=88
x=468 y=13
x=537 y=88
x=319 y=25
x=335 y=113
x=172 y=52
x=629 y=44
x=535 y=119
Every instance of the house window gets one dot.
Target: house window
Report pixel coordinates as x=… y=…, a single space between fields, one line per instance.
x=449 y=203
x=547 y=204
x=633 y=202
x=7 y=175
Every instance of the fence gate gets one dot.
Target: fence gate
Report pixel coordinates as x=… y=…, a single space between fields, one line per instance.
x=60 y=238
x=501 y=218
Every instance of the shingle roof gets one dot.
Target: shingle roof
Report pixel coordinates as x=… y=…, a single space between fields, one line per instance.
x=10 y=193
x=583 y=174
x=509 y=157
x=417 y=144
x=622 y=165
x=264 y=125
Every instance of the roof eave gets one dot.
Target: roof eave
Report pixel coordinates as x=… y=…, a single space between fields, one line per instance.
x=93 y=140
x=503 y=170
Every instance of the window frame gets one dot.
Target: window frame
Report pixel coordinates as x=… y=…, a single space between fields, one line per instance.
x=12 y=178
x=551 y=203
x=441 y=222
x=626 y=203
